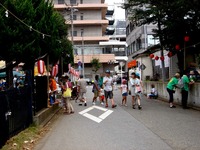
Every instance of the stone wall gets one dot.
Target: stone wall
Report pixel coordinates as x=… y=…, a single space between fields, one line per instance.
x=194 y=93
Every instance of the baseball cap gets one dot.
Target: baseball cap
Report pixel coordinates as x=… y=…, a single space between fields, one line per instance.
x=107 y=71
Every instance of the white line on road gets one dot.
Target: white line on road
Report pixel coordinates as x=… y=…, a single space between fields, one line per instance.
x=86 y=110
x=96 y=119
x=106 y=114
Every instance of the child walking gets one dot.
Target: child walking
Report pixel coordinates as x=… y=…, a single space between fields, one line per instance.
x=124 y=91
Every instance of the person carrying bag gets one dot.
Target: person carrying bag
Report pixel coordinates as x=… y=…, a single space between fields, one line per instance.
x=66 y=88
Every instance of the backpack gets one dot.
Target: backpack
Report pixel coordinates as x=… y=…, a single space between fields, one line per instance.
x=180 y=83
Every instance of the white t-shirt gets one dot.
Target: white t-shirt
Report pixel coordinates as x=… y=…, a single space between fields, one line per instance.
x=134 y=82
x=108 y=85
x=124 y=88
x=154 y=91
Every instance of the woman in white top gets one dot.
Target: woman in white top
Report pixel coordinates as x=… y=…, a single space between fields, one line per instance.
x=139 y=87
x=135 y=88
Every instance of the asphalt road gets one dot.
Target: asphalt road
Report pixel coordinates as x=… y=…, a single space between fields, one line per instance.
x=155 y=127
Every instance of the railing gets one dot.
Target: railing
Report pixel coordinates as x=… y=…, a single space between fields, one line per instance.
x=15 y=112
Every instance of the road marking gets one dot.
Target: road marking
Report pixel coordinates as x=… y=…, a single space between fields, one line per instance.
x=95 y=118
x=106 y=114
x=86 y=110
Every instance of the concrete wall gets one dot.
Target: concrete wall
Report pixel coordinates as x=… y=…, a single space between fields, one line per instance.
x=193 y=99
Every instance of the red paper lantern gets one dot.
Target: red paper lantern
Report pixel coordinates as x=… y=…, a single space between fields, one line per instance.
x=177 y=47
x=40 y=65
x=162 y=58
x=54 y=70
x=156 y=58
x=186 y=38
x=170 y=54
x=151 y=55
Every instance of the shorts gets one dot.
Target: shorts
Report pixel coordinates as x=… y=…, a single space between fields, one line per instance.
x=125 y=94
x=82 y=95
x=108 y=94
x=96 y=93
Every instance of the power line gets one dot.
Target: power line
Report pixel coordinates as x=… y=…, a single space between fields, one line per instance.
x=30 y=27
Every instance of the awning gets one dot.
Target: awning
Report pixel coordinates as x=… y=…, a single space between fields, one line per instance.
x=132 y=63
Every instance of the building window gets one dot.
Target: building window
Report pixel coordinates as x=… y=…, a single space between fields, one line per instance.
x=127 y=30
x=72 y=2
x=74 y=33
x=81 y=17
x=81 y=1
x=60 y=1
x=139 y=44
x=74 y=17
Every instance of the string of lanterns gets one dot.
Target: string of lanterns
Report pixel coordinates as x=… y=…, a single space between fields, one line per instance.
x=177 y=47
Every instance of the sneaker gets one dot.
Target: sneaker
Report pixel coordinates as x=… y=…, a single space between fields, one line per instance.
x=126 y=105
x=93 y=103
x=172 y=106
x=102 y=103
x=139 y=107
x=85 y=104
x=80 y=104
x=133 y=106
x=113 y=106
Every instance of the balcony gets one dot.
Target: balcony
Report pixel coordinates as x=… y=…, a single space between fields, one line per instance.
x=81 y=6
x=110 y=10
x=110 y=31
x=111 y=21
x=103 y=58
x=103 y=7
x=90 y=38
x=88 y=22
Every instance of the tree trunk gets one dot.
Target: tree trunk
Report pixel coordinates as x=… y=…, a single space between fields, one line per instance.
x=161 y=50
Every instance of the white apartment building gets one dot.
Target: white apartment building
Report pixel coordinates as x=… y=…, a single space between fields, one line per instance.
x=88 y=26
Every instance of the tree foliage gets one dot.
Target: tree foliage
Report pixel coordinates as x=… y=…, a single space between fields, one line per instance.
x=96 y=65
x=19 y=42
x=174 y=20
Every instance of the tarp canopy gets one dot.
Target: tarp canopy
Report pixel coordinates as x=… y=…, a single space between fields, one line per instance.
x=3 y=74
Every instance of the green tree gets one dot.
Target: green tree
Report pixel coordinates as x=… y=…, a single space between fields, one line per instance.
x=96 y=65
x=32 y=29
x=174 y=20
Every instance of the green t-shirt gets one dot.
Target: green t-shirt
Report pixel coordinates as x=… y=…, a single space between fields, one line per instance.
x=186 y=82
x=171 y=84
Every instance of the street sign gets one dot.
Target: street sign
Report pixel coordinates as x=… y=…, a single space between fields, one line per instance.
x=79 y=63
x=142 y=67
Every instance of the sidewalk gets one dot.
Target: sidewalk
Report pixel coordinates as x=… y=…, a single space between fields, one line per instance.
x=155 y=127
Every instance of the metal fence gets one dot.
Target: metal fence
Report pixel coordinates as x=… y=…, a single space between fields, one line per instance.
x=15 y=112
x=40 y=94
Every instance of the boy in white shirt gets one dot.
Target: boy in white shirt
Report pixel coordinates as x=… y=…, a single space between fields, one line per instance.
x=154 y=93
x=108 y=88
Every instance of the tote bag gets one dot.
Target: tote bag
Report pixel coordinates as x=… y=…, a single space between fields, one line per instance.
x=67 y=92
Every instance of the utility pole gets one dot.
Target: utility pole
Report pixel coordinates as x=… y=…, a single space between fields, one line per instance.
x=82 y=51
